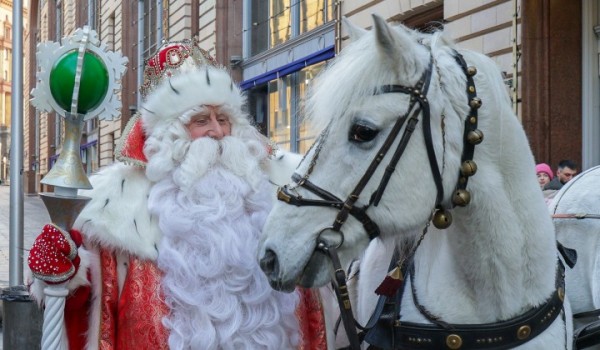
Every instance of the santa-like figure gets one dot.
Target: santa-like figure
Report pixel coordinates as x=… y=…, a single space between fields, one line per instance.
x=166 y=255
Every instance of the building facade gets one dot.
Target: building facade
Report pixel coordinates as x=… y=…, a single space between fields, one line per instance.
x=136 y=29
x=6 y=8
x=547 y=51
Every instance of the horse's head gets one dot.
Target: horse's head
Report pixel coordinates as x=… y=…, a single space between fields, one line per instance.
x=385 y=83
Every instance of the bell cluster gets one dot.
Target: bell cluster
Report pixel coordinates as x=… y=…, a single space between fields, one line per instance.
x=442 y=218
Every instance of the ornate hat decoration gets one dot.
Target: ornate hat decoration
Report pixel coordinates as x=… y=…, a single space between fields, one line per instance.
x=169 y=59
x=180 y=76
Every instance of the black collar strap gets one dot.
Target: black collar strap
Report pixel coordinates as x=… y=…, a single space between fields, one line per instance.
x=491 y=336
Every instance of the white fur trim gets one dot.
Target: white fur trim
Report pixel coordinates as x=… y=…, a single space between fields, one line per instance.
x=175 y=96
x=117 y=216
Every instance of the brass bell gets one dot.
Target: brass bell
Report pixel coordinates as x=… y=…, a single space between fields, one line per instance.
x=475 y=102
x=461 y=198
x=471 y=70
x=442 y=218
x=475 y=137
x=468 y=168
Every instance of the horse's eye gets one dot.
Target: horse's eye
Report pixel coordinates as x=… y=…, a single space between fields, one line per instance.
x=362 y=133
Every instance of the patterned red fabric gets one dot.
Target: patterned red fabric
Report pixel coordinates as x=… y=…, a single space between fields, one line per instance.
x=133 y=320
x=53 y=256
x=133 y=145
x=108 y=301
x=77 y=308
x=142 y=308
x=312 y=322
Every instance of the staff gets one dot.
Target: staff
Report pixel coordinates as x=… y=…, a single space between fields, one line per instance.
x=79 y=81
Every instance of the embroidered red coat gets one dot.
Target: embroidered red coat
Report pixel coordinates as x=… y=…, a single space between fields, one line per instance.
x=116 y=300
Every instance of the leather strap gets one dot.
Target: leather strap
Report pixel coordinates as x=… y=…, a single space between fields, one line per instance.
x=491 y=336
x=341 y=291
x=587 y=336
x=470 y=122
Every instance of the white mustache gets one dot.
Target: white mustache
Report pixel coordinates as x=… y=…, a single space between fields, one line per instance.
x=232 y=153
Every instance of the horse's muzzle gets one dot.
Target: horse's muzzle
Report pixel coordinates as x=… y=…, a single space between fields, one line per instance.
x=269 y=263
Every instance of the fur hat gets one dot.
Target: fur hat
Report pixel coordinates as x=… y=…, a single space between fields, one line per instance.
x=544 y=168
x=177 y=79
x=175 y=96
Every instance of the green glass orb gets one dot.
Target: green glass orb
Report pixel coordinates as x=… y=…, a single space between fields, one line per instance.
x=93 y=84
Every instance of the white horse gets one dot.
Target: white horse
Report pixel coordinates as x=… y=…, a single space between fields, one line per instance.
x=576 y=208
x=498 y=259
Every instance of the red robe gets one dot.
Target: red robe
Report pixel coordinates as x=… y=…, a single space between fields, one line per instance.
x=134 y=320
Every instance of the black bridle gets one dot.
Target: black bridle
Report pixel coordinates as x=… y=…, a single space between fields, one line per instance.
x=348 y=206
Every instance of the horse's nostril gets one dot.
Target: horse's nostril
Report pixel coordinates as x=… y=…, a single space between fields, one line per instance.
x=269 y=263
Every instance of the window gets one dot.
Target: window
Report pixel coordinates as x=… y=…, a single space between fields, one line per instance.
x=274 y=22
x=8 y=67
x=89 y=157
x=7 y=108
x=280 y=22
x=110 y=39
x=276 y=110
x=314 y=13
x=280 y=94
x=151 y=27
x=305 y=78
x=259 y=27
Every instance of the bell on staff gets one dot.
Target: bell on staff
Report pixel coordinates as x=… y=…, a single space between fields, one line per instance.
x=67 y=174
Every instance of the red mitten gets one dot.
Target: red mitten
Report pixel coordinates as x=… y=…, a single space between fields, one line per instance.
x=53 y=257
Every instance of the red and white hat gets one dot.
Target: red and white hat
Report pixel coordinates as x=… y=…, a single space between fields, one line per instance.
x=178 y=78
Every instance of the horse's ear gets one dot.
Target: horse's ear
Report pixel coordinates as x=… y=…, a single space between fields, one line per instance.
x=354 y=31
x=395 y=45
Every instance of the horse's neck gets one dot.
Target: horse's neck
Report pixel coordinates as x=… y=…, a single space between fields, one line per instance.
x=503 y=244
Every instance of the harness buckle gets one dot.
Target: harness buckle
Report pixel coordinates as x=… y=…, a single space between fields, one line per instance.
x=283 y=196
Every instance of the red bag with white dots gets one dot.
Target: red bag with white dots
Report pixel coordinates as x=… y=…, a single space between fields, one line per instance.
x=53 y=257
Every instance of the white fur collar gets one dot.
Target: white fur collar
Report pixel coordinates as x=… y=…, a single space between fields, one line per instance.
x=117 y=216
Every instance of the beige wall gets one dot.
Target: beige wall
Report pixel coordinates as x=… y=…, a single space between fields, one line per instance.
x=44 y=27
x=69 y=16
x=180 y=22
x=207 y=33
x=481 y=25
x=111 y=30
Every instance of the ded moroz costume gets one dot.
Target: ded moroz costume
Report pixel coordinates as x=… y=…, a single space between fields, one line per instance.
x=167 y=252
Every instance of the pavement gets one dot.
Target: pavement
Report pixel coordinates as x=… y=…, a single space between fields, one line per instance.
x=35 y=216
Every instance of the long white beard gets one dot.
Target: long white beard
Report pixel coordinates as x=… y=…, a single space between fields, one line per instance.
x=218 y=296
